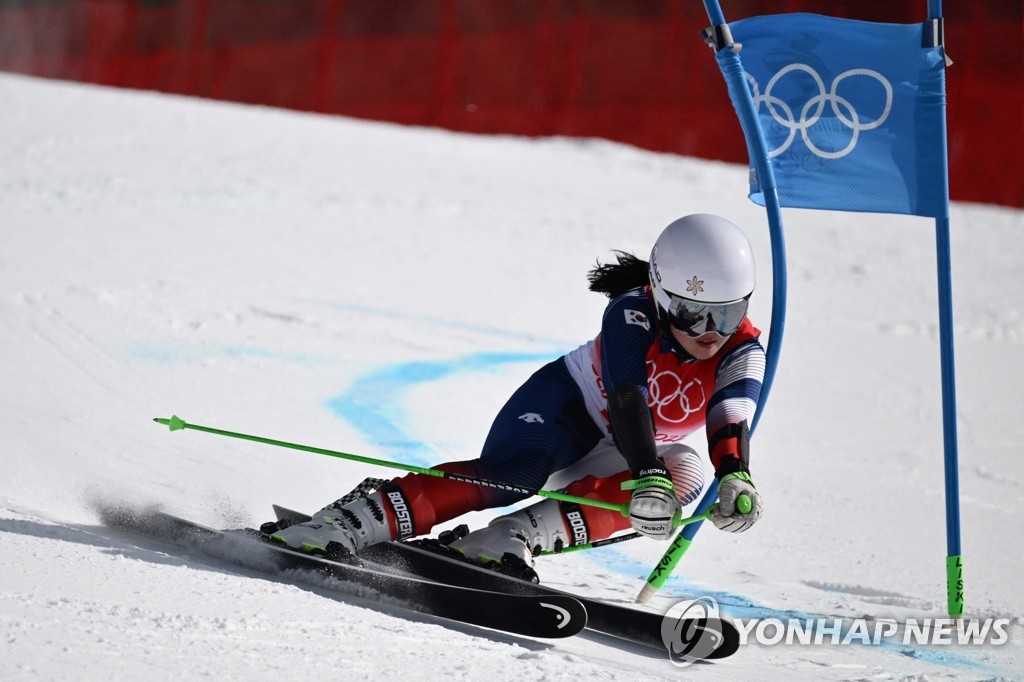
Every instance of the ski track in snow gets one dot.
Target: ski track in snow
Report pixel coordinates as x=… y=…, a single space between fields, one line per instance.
x=166 y=255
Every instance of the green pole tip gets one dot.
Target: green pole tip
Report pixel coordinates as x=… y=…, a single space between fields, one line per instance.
x=176 y=423
x=743 y=503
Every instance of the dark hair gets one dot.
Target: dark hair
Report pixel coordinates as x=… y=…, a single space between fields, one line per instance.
x=615 y=279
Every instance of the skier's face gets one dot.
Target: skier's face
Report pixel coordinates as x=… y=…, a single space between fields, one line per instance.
x=702 y=347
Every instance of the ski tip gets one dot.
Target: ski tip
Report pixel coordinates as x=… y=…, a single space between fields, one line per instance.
x=565 y=617
x=175 y=423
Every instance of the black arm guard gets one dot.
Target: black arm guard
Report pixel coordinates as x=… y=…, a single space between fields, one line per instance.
x=730 y=449
x=633 y=430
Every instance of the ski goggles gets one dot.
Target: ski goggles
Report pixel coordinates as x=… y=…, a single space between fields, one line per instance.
x=694 y=318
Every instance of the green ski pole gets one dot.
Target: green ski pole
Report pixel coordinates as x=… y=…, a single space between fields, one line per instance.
x=706 y=516
x=677 y=549
x=175 y=423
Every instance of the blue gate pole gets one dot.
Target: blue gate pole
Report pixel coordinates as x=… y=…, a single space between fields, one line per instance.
x=732 y=70
x=954 y=556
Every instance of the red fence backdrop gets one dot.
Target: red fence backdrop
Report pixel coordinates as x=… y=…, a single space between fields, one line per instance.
x=635 y=71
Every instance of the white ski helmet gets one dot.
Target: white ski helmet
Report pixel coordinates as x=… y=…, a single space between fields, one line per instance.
x=702 y=275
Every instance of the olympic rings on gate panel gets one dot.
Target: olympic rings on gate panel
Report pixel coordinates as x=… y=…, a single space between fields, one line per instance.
x=811 y=112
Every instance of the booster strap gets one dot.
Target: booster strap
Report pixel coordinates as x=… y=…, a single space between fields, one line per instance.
x=401 y=510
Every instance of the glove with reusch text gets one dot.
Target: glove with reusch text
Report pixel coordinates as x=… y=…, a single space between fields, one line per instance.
x=653 y=506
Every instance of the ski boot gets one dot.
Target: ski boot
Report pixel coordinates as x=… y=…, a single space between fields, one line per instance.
x=340 y=529
x=509 y=543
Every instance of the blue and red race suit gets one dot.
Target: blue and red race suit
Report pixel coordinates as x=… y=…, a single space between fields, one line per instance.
x=560 y=415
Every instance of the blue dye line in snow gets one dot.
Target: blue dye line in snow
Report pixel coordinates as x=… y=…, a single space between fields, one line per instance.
x=506 y=334
x=170 y=353
x=373 y=402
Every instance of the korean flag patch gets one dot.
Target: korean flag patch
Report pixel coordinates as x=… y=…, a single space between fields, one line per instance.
x=638 y=318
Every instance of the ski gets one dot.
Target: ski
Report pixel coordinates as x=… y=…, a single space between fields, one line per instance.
x=544 y=616
x=616 y=620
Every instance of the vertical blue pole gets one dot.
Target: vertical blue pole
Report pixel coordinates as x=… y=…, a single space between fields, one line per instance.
x=954 y=557
x=732 y=69
x=944 y=266
x=715 y=13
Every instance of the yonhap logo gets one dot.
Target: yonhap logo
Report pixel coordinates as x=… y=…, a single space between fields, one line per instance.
x=692 y=630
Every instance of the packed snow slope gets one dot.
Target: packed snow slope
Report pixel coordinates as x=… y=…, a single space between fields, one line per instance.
x=382 y=290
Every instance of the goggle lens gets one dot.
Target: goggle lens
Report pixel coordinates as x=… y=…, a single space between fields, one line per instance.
x=694 y=318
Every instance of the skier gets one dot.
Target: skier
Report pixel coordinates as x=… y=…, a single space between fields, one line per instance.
x=606 y=421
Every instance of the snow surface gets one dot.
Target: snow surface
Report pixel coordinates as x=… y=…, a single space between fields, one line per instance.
x=381 y=290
